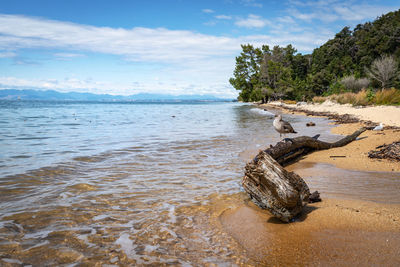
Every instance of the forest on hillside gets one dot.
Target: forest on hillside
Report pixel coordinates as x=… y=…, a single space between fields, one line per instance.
x=366 y=57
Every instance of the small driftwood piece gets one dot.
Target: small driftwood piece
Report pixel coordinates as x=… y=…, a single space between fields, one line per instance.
x=284 y=193
x=391 y=152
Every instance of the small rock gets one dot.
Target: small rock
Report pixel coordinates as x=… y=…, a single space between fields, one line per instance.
x=314 y=197
x=310 y=124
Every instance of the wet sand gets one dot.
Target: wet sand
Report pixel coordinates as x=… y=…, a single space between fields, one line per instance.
x=346 y=228
x=330 y=233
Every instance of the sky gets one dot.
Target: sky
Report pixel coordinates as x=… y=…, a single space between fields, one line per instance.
x=174 y=47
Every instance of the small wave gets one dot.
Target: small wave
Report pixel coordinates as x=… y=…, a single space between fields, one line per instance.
x=70 y=124
x=89 y=159
x=33 y=117
x=83 y=187
x=21 y=157
x=261 y=111
x=67 y=152
x=33 y=138
x=126 y=244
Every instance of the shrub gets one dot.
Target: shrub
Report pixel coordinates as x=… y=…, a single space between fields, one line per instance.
x=365 y=97
x=387 y=97
x=361 y=99
x=345 y=98
x=370 y=95
x=319 y=99
x=354 y=85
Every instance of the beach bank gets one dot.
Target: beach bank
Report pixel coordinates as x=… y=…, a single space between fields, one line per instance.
x=360 y=227
x=353 y=156
x=388 y=115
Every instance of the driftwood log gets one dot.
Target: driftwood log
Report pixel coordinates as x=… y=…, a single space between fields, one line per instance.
x=284 y=193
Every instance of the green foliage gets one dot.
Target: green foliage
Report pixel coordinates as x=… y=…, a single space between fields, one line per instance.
x=247 y=71
x=335 y=88
x=281 y=72
x=370 y=95
x=256 y=95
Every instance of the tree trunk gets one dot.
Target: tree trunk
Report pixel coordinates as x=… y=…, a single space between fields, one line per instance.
x=284 y=193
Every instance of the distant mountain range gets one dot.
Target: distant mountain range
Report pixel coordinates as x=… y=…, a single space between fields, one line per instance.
x=13 y=94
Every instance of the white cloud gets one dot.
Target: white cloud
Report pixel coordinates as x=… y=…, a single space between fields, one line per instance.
x=186 y=57
x=333 y=10
x=303 y=16
x=360 y=12
x=252 y=21
x=210 y=23
x=67 y=56
x=223 y=17
x=137 y=44
x=252 y=3
x=7 y=54
x=286 y=19
x=208 y=11
x=221 y=89
x=304 y=41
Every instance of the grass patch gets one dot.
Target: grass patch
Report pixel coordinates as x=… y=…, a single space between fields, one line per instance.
x=319 y=99
x=387 y=97
x=364 y=97
x=289 y=102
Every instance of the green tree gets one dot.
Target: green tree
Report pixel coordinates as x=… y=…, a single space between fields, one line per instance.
x=341 y=63
x=247 y=71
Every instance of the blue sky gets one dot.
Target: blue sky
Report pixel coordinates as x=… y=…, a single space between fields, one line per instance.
x=157 y=46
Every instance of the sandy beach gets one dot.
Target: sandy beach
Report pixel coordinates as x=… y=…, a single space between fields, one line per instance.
x=354 y=156
x=336 y=231
x=388 y=115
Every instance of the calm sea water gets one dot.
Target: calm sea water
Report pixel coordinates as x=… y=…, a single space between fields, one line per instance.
x=127 y=184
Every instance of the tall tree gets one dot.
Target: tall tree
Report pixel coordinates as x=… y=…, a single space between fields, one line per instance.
x=247 y=71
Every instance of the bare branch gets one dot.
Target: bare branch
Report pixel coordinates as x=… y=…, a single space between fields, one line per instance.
x=383 y=69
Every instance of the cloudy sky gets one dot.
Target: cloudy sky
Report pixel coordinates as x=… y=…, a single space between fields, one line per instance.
x=157 y=46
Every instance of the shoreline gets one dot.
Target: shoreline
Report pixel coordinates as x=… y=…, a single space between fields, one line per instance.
x=353 y=156
x=338 y=231
x=345 y=113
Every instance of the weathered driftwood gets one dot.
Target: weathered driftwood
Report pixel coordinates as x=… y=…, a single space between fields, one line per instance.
x=391 y=151
x=284 y=193
x=283 y=150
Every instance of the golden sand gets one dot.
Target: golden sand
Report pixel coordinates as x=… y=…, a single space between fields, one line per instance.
x=330 y=233
x=388 y=115
x=354 y=156
x=334 y=232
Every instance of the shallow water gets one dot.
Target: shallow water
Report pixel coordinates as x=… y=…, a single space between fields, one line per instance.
x=127 y=184
x=383 y=187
